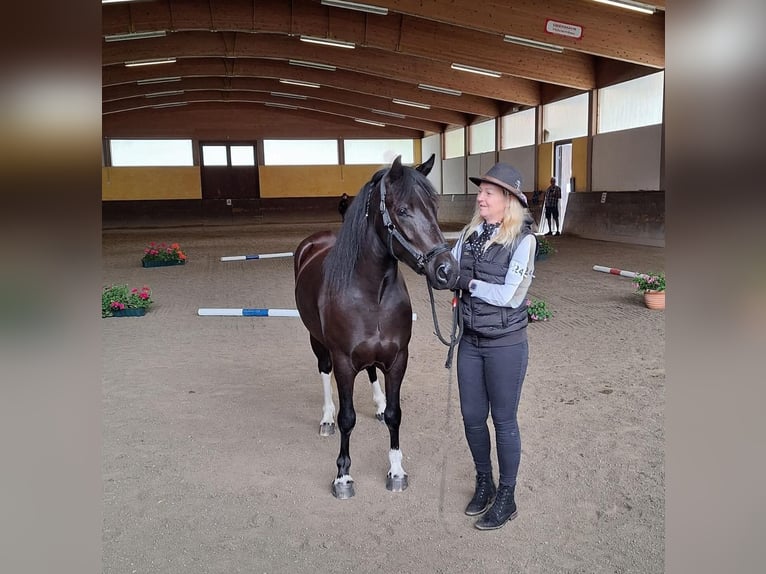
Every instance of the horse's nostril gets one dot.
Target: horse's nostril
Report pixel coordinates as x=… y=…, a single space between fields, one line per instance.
x=441 y=274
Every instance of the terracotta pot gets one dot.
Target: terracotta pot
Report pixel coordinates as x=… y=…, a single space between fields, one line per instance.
x=654 y=299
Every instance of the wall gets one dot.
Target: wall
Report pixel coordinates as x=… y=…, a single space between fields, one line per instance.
x=454 y=179
x=625 y=216
x=131 y=183
x=628 y=160
x=580 y=163
x=313 y=180
x=544 y=165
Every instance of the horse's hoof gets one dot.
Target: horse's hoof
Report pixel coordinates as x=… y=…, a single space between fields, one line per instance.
x=380 y=417
x=327 y=429
x=343 y=490
x=396 y=483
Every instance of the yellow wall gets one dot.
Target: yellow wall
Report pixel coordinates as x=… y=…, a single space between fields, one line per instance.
x=313 y=180
x=131 y=183
x=580 y=163
x=544 y=165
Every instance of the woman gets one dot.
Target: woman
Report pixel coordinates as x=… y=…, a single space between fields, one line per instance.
x=496 y=251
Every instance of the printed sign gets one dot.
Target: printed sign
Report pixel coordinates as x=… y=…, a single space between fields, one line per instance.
x=563 y=29
x=603 y=197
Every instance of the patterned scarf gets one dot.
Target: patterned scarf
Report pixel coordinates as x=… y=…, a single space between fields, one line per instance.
x=477 y=241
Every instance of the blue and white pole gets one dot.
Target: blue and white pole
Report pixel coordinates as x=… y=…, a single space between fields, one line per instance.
x=260 y=256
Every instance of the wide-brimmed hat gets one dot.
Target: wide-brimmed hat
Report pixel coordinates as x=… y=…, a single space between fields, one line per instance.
x=505 y=176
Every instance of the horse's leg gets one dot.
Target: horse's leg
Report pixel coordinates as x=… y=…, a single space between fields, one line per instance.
x=377 y=394
x=343 y=485
x=396 y=480
x=324 y=363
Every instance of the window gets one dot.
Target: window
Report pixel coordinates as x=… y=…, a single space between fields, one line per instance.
x=454 y=143
x=145 y=153
x=300 y=152
x=377 y=151
x=482 y=137
x=518 y=130
x=566 y=119
x=214 y=155
x=631 y=104
x=242 y=155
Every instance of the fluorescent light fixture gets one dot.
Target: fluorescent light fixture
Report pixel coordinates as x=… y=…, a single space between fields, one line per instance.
x=447 y=91
x=150 y=62
x=170 y=105
x=387 y=113
x=135 y=36
x=300 y=83
x=114 y=1
x=159 y=80
x=278 y=105
x=293 y=96
x=328 y=42
x=412 y=104
x=370 y=122
x=315 y=65
x=162 y=94
x=370 y=9
x=533 y=44
x=480 y=71
x=630 y=5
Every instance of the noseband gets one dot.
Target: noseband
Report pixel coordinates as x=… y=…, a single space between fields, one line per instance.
x=421 y=260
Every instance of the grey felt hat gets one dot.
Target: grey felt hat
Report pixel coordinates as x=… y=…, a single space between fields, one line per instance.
x=505 y=176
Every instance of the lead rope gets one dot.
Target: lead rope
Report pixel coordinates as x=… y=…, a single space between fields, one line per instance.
x=456 y=333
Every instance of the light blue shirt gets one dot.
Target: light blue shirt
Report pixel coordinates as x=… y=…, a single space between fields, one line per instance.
x=517 y=280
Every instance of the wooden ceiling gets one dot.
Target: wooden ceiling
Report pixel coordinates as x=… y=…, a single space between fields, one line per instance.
x=230 y=56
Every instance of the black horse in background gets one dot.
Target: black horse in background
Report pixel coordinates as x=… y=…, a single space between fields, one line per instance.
x=355 y=305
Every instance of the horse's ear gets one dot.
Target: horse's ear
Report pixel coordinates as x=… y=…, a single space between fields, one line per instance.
x=425 y=168
x=396 y=170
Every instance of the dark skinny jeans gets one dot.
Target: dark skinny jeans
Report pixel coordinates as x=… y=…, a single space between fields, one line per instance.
x=491 y=378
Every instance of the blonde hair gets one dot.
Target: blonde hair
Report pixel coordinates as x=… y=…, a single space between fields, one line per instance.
x=513 y=220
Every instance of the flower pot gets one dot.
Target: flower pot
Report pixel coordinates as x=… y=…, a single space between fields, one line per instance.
x=654 y=299
x=541 y=257
x=140 y=312
x=161 y=263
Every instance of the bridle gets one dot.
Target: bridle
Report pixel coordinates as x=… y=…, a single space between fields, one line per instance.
x=421 y=260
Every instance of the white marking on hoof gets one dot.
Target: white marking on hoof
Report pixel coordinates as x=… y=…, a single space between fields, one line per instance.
x=395 y=460
x=380 y=400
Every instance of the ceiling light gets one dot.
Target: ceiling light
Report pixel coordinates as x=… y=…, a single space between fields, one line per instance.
x=161 y=94
x=387 y=113
x=170 y=105
x=300 y=83
x=135 y=36
x=447 y=91
x=315 y=65
x=356 y=6
x=327 y=42
x=114 y=1
x=413 y=104
x=533 y=44
x=630 y=5
x=150 y=62
x=159 y=80
x=278 y=105
x=480 y=71
x=370 y=122
x=284 y=95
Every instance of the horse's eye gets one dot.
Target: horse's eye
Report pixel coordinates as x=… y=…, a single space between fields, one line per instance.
x=401 y=211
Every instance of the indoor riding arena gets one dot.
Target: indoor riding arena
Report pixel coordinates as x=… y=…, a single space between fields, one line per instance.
x=238 y=144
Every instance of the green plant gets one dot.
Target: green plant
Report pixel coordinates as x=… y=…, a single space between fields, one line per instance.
x=120 y=297
x=163 y=252
x=537 y=310
x=649 y=282
x=544 y=246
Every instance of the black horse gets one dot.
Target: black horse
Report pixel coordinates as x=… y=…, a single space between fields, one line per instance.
x=355 y=305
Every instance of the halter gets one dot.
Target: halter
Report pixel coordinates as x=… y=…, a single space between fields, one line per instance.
x=420 y=259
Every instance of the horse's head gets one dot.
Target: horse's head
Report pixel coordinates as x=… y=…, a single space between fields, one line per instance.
x=408 y=223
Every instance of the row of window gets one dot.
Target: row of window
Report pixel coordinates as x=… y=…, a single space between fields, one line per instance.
x=627 y=105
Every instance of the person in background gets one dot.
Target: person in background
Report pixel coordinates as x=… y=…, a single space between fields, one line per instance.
x=343 y=206
x=496 y=253
x=552 y=198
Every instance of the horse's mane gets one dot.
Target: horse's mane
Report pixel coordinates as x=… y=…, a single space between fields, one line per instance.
x=343 y=257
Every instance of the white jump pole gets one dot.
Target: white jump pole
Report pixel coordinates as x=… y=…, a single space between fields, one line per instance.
x=260 y=256
x=256 y=313
x=613 y=271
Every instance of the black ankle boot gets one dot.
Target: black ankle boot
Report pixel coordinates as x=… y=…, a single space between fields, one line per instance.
x=503 y=510
x=484 y=495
